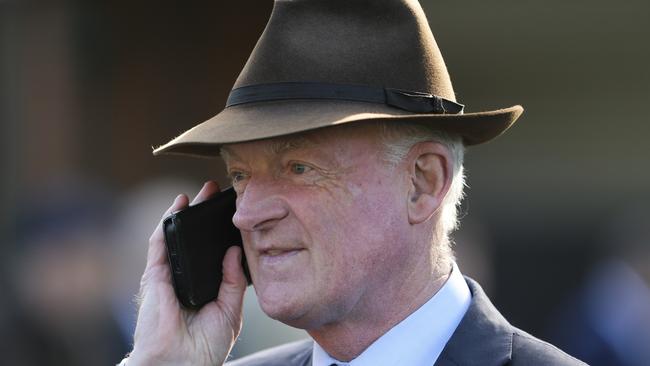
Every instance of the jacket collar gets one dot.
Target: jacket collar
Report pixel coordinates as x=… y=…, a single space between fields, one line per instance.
x=483 y=337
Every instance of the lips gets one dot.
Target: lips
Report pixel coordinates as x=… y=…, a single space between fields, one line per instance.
x=277 y=256
x=277 y=248
x=276 y=252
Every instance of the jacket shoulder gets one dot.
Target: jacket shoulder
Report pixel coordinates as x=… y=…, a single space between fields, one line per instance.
x=531 y=351
x=291 y=354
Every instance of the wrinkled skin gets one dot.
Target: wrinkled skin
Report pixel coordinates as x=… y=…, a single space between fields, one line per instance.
x=314 y=230
x=337 y=242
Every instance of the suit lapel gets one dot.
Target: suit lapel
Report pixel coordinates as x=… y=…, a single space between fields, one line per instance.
x=307 y=361
x=303 y=358
x=483 y=337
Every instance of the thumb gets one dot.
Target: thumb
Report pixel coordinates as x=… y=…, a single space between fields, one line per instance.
x=233 y=283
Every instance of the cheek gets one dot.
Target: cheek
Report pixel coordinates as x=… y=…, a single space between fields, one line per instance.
x=373 y=209
x=354 y=232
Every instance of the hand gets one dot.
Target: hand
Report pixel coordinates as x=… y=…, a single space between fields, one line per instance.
x=166 y=333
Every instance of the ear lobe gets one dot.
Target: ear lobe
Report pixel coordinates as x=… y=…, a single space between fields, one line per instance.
x=430 y=180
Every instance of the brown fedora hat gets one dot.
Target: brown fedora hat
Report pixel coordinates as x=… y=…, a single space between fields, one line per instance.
x=323 y=63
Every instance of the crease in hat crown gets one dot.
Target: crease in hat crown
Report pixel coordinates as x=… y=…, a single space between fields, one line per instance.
x=384 y=44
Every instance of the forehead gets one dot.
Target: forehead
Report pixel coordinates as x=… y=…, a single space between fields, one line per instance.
x=340 y=138
x=268 y=147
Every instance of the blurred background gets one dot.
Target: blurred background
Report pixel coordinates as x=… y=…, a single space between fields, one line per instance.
x=555 y=225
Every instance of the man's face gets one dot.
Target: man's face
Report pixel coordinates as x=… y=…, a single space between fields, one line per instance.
x=323 y=221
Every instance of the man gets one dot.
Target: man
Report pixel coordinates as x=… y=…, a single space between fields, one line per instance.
x=344 y=143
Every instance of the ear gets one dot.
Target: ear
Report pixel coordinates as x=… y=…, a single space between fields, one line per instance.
x=430 y=169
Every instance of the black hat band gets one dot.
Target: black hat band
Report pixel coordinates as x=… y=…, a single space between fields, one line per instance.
x=412 y=101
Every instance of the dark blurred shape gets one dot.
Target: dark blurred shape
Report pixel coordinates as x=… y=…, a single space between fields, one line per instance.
x=607 y=321
x=58 y=298
x=474 y=250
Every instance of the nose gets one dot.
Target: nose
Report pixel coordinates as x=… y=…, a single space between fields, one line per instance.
x=259 y=208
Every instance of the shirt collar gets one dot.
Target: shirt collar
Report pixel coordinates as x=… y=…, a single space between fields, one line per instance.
x=419 y=338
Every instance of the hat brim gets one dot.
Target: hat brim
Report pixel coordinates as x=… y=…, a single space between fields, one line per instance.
x=278 y=118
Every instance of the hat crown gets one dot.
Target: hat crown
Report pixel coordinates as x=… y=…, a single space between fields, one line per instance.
x=323 y=63
x=382 y=43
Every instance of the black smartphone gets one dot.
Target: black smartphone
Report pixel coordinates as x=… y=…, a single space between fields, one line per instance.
x=197 y=239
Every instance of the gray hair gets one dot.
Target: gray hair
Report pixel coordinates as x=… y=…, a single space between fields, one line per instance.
x=398 y=139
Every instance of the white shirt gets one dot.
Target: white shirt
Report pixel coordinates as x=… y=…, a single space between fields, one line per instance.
x=420 y=338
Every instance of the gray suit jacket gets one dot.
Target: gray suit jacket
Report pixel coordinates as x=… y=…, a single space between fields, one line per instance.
x=484 y=337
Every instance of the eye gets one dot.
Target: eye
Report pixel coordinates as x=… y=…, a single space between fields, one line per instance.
x=236 y=176
x=298 y=168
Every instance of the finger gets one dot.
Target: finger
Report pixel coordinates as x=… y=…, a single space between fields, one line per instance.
x=233 y=284
x=209 y=189
x=156 y=253
x=180 y=202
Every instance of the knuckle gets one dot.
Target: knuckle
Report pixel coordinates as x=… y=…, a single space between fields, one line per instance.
x=155 y=236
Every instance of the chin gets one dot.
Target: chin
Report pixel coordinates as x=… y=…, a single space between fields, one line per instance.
x=275 y=297
x=295 y=314
x=285 y=309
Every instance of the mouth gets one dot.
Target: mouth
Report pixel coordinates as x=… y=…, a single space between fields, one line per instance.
x=278 y=256
x=278 y=252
